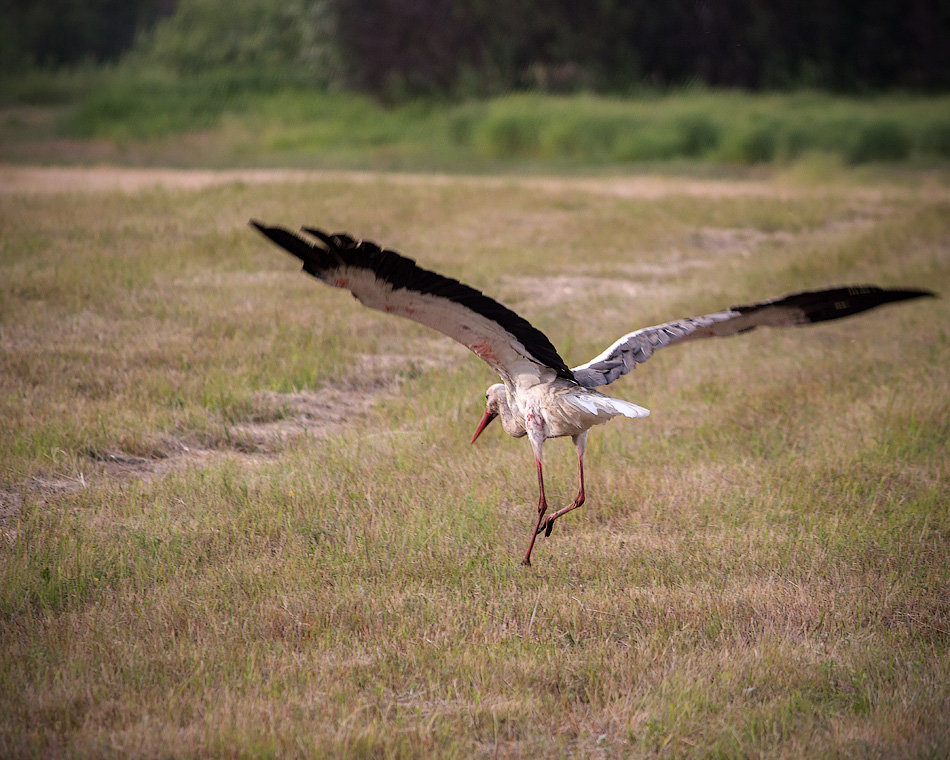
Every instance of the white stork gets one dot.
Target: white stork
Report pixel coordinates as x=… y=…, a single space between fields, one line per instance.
x=540 y=396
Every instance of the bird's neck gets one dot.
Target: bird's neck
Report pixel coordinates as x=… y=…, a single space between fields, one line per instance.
x=512 y=418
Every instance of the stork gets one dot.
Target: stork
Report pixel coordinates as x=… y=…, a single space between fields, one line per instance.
x=540 y=396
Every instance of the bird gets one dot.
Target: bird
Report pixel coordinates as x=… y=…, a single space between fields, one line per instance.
x=539 y=396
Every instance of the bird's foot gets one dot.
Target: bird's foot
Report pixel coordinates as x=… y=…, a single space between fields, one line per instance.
x=546 y=526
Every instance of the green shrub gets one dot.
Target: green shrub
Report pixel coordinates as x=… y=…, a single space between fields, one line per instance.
x=936 y=139
x=44 y=87
x=588 y=135
x=880 y=141
x=698 y=134
x=760 y=144
x=755 y=144
x=648 y=145
x=511 y=128
x=795 y=142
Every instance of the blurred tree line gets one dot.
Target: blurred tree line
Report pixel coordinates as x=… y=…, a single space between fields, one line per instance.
x=52 y=33
x=402 y=48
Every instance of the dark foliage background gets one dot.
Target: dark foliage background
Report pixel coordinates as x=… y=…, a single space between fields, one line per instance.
x=52 y=33
x=399 y=48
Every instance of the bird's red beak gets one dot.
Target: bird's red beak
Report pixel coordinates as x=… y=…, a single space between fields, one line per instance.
x=486 y=418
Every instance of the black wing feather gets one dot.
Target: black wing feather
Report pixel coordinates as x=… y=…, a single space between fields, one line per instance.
x=402 y=272
x=823 y=305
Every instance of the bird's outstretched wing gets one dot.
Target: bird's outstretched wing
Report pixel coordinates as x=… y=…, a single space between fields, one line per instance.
x=387 y=281
x=797 y=309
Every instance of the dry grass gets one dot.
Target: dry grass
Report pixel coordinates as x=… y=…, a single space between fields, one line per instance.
x=204 y=552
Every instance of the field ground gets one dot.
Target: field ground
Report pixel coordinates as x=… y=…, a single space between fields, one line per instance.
x=240 y=517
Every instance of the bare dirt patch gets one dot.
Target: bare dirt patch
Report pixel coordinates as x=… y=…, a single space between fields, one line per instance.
x=639 y=278
x=59 y=179
x=314 y=413
x=555 y=290
x=274 y=422
x=10 y=505
x=743 y=241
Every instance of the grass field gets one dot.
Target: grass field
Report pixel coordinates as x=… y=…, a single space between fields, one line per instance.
x=240 y=516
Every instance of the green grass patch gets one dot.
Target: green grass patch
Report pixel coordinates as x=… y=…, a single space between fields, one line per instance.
x=227 y=116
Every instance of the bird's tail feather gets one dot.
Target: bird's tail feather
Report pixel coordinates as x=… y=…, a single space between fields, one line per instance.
x=629 y=410
x=596 y=403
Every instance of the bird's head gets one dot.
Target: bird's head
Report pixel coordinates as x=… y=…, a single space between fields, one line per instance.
x=495 y=396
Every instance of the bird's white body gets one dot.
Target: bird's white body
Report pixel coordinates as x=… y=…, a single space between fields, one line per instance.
x=555 y=409
x=540 y=397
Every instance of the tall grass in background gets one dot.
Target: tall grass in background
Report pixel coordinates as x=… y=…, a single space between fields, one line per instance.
x=729 y=127
x=262 y=115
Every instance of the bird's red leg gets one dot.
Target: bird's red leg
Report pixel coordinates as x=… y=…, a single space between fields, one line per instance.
x=542 y=508
x=548 y=525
